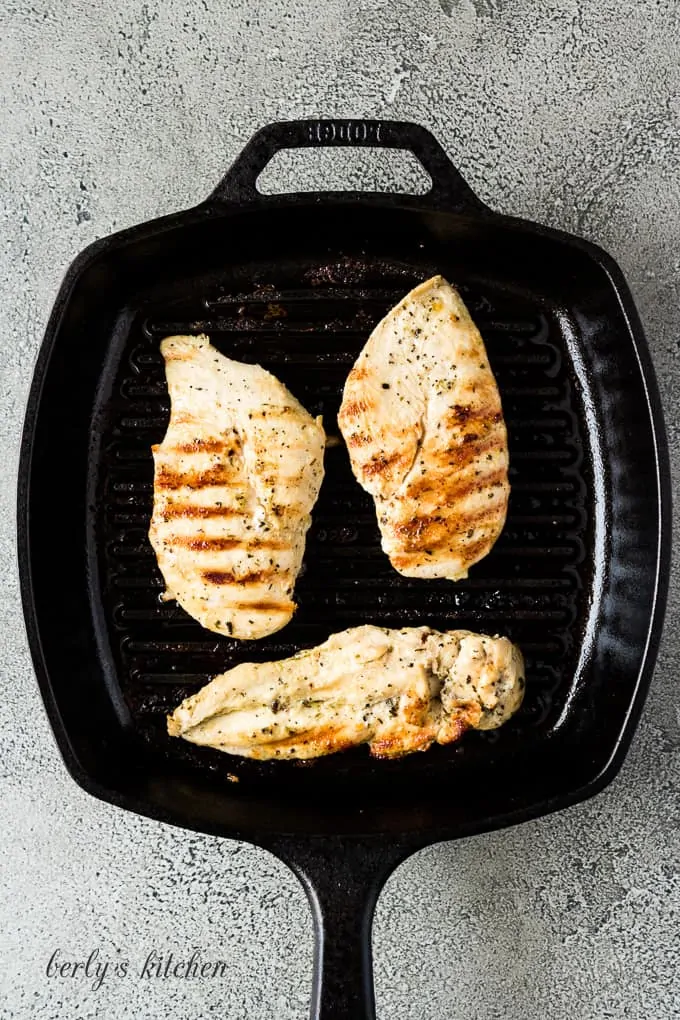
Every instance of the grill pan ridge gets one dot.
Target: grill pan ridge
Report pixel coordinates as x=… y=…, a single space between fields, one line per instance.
x=578 y=578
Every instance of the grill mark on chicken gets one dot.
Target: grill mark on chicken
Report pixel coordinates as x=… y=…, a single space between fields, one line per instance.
x=451 y=489
x=415 y=529
x=266 y=606
x=230 y=577
x=356 y=407
x=190 y=510
x=217 y=476
x=357 y=439
x=429 y=533
x=470 y=448
x=380 y=464
x=446 y=543
x=202 y=446
x=225 y=544
x=480 y=546
x=486 y=415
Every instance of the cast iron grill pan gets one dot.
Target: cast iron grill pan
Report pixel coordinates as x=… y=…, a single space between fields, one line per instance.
x=578 y=577
x=307 y=324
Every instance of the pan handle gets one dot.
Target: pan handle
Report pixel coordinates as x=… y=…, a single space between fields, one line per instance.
x=342 y=879
x=448 y=191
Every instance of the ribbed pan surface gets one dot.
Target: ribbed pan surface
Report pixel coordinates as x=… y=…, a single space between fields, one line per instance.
x=307 y=326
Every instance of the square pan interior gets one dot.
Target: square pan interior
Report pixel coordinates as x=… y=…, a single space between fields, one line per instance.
x=572 y=579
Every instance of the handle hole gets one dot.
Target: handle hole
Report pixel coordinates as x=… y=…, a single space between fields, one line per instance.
x=339 y=169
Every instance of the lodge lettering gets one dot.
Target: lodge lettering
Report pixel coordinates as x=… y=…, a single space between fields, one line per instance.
x=353 y=131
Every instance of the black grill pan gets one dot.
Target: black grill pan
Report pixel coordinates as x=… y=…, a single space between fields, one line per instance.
x=578 y=578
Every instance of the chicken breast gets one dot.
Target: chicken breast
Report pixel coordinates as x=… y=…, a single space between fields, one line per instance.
x=422 y=419
x=236 y=477
x=397 y=690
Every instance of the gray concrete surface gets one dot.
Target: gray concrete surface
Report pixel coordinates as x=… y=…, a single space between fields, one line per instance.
x=568 y=112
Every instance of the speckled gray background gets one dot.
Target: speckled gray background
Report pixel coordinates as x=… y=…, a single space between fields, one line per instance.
x=568 y=112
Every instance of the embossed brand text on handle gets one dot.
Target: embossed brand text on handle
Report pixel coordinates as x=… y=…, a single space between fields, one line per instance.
x=353 y=131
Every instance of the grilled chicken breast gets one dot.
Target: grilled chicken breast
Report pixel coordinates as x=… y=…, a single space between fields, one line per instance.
x=397 y=690
x=235 y=479
x=421 y=416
